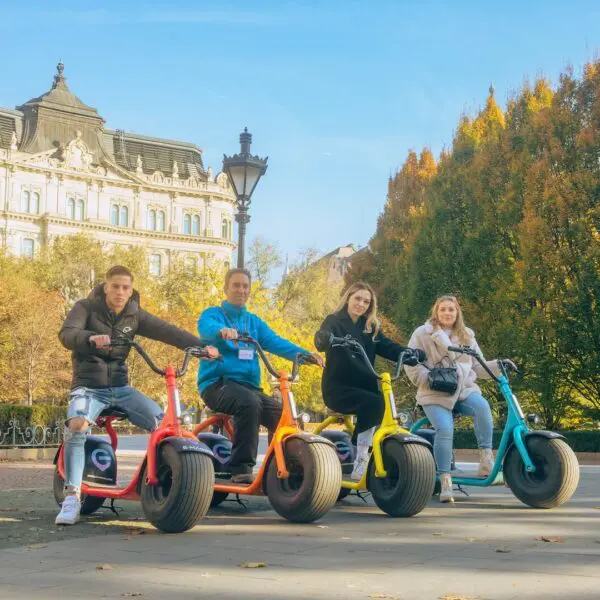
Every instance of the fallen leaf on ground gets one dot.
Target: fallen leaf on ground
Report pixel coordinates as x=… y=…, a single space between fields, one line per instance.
x=134 y=531
x=502 y=550
x=252 y=565
x=345 y=538
x=323 y=526
x=35 y=546
x=455 y=597
x=103 y=568
x=550 y=539
x=8 y=509
x=437 y=533
x=383 y=596
x=132 y=594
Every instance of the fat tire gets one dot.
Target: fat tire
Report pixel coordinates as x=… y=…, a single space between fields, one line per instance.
x=556 y=477
x=188 y=479
x=411 y=478
x=314 y=483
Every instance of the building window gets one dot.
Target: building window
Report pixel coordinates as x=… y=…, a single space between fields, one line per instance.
x=27 y=247
x=114 y=215
x=26 y=201
x=71 y=208
x=187 y=224
x=224 y=228
x=30 y=202
x=191 y=265
x=124 y=222
x=151 y=225
x=79 y=210
x=196 y=225
x=160 y=220
x=35 y=203
x=155 y=264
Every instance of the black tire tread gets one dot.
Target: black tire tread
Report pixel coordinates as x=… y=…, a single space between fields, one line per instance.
x=418 y=466
x=193 y=497
x=568 y=464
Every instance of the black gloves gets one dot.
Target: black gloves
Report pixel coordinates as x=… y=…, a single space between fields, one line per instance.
x=418 y=356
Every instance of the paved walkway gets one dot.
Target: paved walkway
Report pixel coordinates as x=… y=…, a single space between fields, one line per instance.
x=487 y=546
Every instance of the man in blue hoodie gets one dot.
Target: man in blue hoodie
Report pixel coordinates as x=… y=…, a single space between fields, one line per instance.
x=233 y=385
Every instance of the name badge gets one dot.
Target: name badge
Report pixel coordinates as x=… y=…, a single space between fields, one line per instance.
x=246 y=353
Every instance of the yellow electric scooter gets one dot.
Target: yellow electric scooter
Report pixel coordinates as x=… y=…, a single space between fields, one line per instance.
x=401 y=471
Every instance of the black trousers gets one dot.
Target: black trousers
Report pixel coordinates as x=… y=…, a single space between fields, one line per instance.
x=366 y=405
x=250 y=409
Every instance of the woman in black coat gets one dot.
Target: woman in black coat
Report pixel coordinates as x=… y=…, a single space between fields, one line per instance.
x=348 y=386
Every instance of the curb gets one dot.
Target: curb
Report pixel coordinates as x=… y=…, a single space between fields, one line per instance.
x=17 y=454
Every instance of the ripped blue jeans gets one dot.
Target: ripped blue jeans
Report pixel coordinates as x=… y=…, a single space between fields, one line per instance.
x=89 y=403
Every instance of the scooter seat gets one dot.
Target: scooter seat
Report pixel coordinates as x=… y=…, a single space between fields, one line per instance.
x=113 y=411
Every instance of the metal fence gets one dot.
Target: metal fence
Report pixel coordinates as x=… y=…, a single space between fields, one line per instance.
x=32 y=436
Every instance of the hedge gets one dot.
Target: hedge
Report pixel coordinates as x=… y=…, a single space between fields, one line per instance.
x=38 y=414
x=580 y=440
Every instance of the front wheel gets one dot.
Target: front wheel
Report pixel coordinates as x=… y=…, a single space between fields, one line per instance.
x=313 y=485
x=556 y=472
x=410 y=478
x=184 y=490
x=89 y=504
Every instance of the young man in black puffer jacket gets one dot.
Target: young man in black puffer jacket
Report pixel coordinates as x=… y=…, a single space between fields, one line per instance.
x=100 y=377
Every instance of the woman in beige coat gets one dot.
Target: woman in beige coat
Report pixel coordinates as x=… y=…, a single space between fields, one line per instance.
x=446 y=328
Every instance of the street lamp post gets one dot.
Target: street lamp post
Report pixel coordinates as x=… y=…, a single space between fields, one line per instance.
x=244 y=171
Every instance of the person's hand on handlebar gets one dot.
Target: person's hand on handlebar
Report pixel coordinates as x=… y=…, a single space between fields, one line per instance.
x=510 y=365
x=100 y=342
x=415 y=357
x=314 y=359
x=212 y=352
x=227 y=333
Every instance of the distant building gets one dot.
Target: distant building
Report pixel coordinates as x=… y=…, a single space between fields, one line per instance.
x=62 y=172
x=338 y=261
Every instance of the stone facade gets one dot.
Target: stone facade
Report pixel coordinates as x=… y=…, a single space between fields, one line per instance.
x=62 y=172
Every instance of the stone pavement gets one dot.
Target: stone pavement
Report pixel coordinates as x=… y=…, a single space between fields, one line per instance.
x=487 y=546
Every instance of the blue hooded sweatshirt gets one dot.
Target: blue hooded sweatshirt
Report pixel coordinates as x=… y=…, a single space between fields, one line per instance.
x=215 y=318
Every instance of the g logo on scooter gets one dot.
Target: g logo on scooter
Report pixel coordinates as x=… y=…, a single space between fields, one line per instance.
x=343 y=450
x=222 y=452
x=101 y=459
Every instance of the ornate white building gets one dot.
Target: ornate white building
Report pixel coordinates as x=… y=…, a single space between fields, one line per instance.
x=62 y=172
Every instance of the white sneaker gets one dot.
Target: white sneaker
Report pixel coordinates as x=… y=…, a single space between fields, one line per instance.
x=69 y=512
x=446 y=494
x=360 y=464
x=486 y=462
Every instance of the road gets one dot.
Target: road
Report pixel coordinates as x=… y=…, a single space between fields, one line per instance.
x=487 y=546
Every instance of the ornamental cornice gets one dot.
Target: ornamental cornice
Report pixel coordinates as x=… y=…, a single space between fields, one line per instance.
x=181 y=191
x=138 y=233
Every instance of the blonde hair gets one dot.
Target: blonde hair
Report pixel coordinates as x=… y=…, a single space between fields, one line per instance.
x=458 y=328
x=372 y=324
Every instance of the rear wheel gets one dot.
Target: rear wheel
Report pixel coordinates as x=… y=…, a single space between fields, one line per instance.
x=556 y=472
x=89 y=504
x=184 y=490
x=313 y=485
x=410 y=478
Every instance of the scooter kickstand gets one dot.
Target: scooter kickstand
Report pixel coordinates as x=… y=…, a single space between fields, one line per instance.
x=244 y=503
x=114 y=509
x=363 y=496
x=462 y=490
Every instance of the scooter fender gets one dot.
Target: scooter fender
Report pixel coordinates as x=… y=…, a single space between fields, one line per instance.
x=183 y=444
x=411 y=438
x=551 y=435
x=310 y=438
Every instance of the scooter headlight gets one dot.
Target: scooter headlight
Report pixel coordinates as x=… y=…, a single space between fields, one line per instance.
x=534 y=419
x=305 y=418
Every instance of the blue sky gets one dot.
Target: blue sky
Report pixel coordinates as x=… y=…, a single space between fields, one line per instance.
x=335 y=93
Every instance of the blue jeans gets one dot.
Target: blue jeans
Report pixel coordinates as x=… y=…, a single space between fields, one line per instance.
x=474 y=405
x=89 y=403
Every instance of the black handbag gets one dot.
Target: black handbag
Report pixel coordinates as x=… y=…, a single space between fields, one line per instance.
x=444 y=379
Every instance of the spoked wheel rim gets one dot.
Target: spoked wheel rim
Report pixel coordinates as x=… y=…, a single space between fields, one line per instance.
x=161 y=491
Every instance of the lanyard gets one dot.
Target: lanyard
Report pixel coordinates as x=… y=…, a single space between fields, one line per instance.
x=231 y=324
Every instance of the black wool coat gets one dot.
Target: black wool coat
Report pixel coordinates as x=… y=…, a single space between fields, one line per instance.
x=346 y=377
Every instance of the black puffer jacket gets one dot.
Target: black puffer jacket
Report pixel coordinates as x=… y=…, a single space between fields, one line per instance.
x=95 y=368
